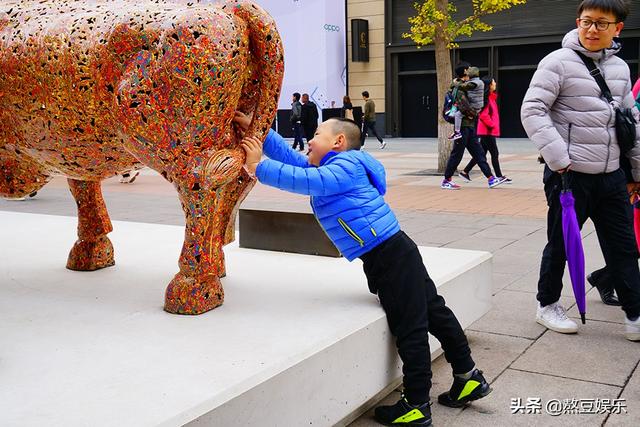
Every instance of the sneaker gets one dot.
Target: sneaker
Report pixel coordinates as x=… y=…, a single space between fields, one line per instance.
x=494 y=181
x=454 y=136
x=449 y=185
x=14 y=199
x=404 y=413
x=464 y=391
x=383 y=144
x=464 y=175
x=506 y=180
x=632 y=329
x=554 y=317
x=129 y=177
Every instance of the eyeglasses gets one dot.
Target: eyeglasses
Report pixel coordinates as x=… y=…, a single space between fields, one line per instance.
x=600 y=25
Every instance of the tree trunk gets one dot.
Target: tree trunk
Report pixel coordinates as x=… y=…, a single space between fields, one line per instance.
x=444 y=76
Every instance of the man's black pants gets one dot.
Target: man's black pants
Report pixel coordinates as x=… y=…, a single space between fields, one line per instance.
x=395 y=272
x=604 y=199
x=297 y=136
x=469 y=141
x=369 y=126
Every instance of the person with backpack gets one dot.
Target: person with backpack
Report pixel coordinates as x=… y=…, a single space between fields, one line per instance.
x=488 y=131
x=468 y=141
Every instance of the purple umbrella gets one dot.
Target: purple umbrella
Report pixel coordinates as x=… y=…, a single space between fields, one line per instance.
x=573 y=245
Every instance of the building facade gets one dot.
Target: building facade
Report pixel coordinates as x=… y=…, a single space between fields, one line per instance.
x=403 y=82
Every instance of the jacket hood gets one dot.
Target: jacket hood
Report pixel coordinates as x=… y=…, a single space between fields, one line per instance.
x=375 y=170
x=572 y=41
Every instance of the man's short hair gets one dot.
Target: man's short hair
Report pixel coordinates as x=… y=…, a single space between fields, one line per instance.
x=305 y=94
x=296 y=96
x=618 y=8
x=461 y=69
x=349 y=129
x=365 y=94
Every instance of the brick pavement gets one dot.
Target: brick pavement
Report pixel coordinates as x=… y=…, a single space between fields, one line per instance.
x=520 y=358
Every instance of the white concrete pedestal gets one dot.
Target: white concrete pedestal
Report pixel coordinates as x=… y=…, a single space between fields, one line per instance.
x=299 y=340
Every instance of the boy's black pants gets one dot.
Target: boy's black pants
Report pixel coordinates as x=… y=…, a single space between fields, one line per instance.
x=604 y=199
x=395 y=272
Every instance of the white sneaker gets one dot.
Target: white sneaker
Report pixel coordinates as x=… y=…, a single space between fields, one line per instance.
x=383 y=144
x=632 y=329
x=129 y=177
x=554 y=317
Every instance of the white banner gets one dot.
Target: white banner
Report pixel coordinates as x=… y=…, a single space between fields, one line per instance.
x=314 y=37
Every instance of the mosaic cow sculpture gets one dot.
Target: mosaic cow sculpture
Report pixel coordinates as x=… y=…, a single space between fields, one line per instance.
x=93 y=88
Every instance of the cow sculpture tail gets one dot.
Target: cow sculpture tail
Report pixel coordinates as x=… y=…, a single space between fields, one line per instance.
x=261 y=91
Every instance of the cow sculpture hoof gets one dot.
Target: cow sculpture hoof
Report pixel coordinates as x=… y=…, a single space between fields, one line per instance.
x=193 y=295
x=89 y=255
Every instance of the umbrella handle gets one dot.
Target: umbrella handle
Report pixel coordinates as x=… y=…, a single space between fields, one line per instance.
x=565 y=181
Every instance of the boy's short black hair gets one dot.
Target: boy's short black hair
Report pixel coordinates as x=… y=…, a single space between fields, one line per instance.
x=365 y=94
x=296 y=96
x=461 y=69
x=619 y=8
x=349 y=129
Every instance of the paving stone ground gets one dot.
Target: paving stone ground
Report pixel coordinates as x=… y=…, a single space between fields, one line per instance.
x=519 y=357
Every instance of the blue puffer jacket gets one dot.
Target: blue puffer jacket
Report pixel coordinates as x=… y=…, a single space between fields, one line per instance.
x=346 y=192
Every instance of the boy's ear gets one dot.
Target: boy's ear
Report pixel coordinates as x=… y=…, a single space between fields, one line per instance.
x=341 y=142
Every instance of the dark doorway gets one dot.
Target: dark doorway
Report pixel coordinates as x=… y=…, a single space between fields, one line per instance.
x=512 y=86
x=418 y=105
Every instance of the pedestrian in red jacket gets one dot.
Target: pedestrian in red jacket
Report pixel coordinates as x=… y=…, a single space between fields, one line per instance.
x=488 y=130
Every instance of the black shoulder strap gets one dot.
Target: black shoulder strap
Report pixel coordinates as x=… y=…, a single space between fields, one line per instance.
x=595 y=73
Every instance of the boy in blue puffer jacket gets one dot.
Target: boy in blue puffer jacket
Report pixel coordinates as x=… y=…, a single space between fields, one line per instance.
x=347 y=186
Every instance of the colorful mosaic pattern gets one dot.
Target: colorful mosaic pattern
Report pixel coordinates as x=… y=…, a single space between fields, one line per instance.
x=94 y=88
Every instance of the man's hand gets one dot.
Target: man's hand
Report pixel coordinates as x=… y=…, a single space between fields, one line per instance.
x=242 y=121
x=633 y=188
x=561 y=171
x=253 y=147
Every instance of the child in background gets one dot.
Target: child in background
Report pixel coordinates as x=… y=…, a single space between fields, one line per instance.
x=473 y=87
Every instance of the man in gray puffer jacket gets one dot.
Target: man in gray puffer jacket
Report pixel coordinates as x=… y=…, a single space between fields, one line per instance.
x=572 y=124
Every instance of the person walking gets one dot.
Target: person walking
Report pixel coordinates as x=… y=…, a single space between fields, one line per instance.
x=369 y=120
x=468 y=140
x=488 y=131
x=296 y=121
x=347 y=108
x=309 y=117
x=571 y=123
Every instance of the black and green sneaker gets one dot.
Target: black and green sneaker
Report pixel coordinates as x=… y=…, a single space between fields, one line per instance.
x=404 y=413
x=464 y=391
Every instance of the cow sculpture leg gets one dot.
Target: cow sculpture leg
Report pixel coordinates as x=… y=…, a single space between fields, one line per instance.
x=93 y=249
x=196 y=288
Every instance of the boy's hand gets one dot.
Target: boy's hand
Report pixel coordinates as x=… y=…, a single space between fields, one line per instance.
x=242 y=121
x=253 y=147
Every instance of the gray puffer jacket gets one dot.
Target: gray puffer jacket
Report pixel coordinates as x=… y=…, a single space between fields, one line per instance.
x=566 y=116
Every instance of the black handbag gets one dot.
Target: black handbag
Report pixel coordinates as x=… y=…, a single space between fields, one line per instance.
x=625 y=122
